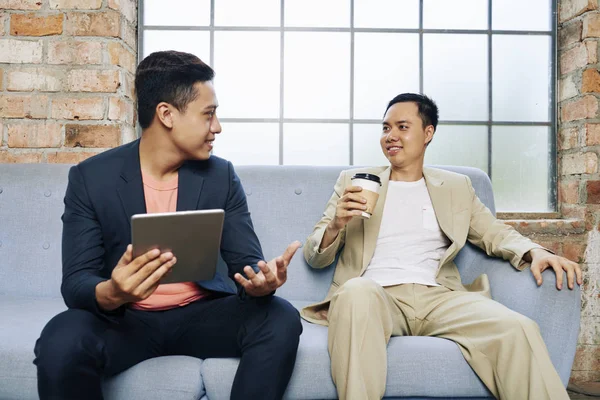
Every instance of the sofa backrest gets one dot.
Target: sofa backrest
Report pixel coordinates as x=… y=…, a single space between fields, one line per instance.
x=285 y=203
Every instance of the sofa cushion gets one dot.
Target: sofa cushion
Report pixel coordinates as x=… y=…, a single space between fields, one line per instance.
x=22 y=322
x=417 y=366
x=173 y=378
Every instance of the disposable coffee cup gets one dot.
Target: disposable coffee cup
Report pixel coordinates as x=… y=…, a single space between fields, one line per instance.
x=370 y=184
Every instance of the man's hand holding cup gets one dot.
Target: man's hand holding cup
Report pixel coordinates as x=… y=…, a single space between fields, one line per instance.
x=358 y=200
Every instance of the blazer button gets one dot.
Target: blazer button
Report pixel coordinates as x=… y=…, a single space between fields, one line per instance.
x=298 y=191
x=46 y=246
x=248 y=192
x=47 y=193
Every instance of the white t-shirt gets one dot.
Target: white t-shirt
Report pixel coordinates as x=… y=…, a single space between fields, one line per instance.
x=410 y=242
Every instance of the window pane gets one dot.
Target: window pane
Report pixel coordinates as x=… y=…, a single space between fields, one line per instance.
x=316 y=144
x=367 y=148
x=469 y=146
x=195 y=42
x=529 y=15
x=248 y=143
x=456 y=67
x=311 y=13
x=247 y=79
x=386 y=14
x=246 y=13
x=317 y=75
x=381 y=74
x=177 y=12
x=520 y=160
x=521 y=78
x=455 y=14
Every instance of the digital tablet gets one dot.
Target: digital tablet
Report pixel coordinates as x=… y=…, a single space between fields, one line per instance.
x=194 y=237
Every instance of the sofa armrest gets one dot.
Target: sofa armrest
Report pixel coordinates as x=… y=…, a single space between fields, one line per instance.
x=557 y=312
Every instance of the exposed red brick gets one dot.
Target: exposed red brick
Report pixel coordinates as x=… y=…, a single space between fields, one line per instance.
x=573 y=8
x=36 y=135
x=574 y=251
x=75 y=4
x=69 y=157
x=570 y=33
x=13 y=157
x=30 y=107
x=92 y=80
x=591 y=25
x=590 y=81
x=78 y=108
x=593 y=192
x=106 y=24
x=573 y=59
x=75 y=52
x=127 y=7
x=568 y=138
x=36 y=25
x=586 y=107
x=102 y=136
x=592 y=134
x=21 y=4
x=568 y=192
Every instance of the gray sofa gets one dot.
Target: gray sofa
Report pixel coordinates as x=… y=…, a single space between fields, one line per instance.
x=285 y=203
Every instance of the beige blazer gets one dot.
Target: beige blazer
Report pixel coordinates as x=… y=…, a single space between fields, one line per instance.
x=460 y=214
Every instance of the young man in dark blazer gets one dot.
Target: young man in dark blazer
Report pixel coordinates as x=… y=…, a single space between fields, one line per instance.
x=119 y=313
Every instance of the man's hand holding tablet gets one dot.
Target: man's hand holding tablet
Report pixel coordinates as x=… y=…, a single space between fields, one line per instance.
x=132 y=279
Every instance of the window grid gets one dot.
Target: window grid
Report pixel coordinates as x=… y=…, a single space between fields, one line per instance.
x=421 y=31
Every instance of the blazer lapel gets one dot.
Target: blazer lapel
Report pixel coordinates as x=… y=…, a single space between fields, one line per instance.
x=189 y=188
x=371 y=225
x=130 y=188
x=441 y=198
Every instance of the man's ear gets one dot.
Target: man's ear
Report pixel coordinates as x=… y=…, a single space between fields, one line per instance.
x=429 y=131
x=164 y=115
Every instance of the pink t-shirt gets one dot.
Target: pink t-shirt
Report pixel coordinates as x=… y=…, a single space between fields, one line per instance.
x=162 y=197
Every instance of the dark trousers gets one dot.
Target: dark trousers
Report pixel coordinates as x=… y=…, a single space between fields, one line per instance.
x=77 y=348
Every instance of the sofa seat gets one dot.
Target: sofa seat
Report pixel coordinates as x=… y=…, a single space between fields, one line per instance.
x=417 y=366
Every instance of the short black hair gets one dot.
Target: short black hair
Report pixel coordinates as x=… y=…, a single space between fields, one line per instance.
x=168 y=76
x=428 y=110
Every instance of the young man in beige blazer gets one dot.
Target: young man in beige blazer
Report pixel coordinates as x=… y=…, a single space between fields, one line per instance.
x=395 y=275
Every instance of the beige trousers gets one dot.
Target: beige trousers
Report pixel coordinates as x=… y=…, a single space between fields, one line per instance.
x=503 y=347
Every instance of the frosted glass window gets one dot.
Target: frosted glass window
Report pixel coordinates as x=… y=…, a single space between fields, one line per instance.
x=521 y=78
x=317 y=13
x=520 y=167
x=247 y=13
x=177 y=12
x=317 y=75
x=248 y=143
x=393 y=14
x=367 y=147
x=381 y=73
x=455 y=75
x=247 y=78
x=195 y=42
x=524 y=15
x=316 y=144
x=455 y=14
x=459 y=145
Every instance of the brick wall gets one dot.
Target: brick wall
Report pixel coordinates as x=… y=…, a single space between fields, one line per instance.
x=579 y=177
x=66 y=88
x=66 y=78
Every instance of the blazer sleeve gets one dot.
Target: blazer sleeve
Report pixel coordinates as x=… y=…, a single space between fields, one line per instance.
x=315 y=257
x=239 y=244
x=82 y=249
x=494 y=236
